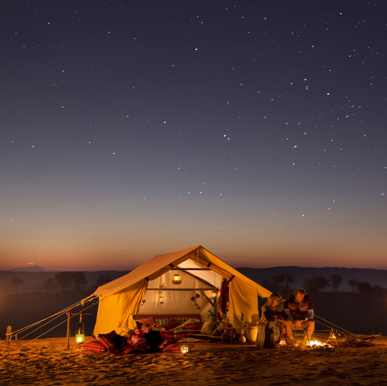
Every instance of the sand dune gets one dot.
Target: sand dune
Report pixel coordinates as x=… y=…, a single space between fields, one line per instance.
x=48 y=362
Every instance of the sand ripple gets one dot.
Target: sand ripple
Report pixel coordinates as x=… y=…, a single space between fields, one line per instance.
x=49 y=365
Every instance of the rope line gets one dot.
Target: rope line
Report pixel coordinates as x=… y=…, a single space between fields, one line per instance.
x=341 y=328
x=72 y=316
x=51 y=317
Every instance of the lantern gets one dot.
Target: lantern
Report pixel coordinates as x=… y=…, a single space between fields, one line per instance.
x=213 y=294
x=184 y=348
x=176 y=279
x=143 y=302
x=80 y=332
x=161 y=299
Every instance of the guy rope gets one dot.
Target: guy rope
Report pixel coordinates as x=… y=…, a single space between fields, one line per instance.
x=50 y=319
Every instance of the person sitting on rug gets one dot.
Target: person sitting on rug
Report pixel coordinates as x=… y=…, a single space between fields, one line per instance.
x=153 y=337
x=135 y=341
x=299 y=309
x=277 y=320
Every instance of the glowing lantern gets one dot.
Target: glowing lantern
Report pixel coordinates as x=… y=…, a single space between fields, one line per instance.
x=184 y=349
x=161 y=299
x=80 y=335
x=213 y=294
x=176 y=279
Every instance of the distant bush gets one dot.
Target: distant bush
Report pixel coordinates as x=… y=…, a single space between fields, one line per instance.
x=16 y=281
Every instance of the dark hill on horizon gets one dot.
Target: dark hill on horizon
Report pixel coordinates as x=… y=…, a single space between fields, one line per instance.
x=300 y=274
x=34 y=268
x=33 y=281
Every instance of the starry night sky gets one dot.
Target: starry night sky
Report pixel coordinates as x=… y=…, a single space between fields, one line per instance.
x=135 y=128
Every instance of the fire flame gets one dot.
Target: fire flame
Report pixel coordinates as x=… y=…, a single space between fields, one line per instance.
x=315 y=343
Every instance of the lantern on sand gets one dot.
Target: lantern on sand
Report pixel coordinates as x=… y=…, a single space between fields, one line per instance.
x=184 y=348
x=176 y=279
x=80 y=331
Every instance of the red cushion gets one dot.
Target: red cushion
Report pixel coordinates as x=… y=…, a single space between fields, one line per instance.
x=94 y=346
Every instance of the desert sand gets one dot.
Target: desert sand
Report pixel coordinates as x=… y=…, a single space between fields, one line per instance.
x=48 y=362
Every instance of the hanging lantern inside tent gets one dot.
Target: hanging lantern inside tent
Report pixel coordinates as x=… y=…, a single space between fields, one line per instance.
x=176 y=279
x=184 y=348
x=213 y=294
x=80 y=331
x=161 y=299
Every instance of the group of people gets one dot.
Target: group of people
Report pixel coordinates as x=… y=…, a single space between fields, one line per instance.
x=141 y=338
x=281 y=318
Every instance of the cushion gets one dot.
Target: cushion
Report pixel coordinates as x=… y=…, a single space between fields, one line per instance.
x=172 y=323
x=149 y=321
x=93 y=346
x=218 y=330
x=186 y=323
x=207 y=328
x=190 y=327
x=107 y=341
x=173 y=348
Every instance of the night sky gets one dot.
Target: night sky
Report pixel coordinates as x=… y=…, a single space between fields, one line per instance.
x=135 y=128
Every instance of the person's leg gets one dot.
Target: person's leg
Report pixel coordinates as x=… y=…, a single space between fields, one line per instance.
x=276 y=330
x=289 y=331
x=308 y=330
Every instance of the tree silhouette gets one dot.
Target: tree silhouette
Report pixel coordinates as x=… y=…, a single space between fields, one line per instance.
x=336 y=280
x=47 y=284
x=64 y=279
x=79 y=280
x=364 y=287
x=378 y=290
x=278 y=280
x=16 y=281
x=316 y=283
x=103 y=279
x=353 y=283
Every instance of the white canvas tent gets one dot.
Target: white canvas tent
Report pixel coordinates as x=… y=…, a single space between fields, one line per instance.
x=201 y=272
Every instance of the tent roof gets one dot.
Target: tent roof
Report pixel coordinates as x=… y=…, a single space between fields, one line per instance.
x=160 y=264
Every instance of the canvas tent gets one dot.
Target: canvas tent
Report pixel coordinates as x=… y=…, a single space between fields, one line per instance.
x=201 y=272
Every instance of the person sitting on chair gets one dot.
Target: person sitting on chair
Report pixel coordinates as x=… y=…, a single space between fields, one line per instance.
x=299 y=309
x=277 y=320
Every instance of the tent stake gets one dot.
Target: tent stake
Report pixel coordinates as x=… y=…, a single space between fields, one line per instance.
x=8 y=335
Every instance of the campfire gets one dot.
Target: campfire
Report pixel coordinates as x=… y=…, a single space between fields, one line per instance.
x=316 y=345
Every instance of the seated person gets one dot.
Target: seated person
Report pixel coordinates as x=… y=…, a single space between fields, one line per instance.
x=277 y=320
x=135 y=341
x=300 y=311
x=152 y=337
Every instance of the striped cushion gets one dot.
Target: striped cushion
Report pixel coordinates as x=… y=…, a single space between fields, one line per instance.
x=94 y=346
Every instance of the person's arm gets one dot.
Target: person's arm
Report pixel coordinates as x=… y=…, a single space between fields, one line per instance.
x=310 y=311
x=268 y=316
x=285 y=315
x=287 y=311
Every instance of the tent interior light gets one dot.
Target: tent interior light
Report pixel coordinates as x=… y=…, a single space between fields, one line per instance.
x=184 y=349
x=213 y=294
x=161 y=299
x=176 y=279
